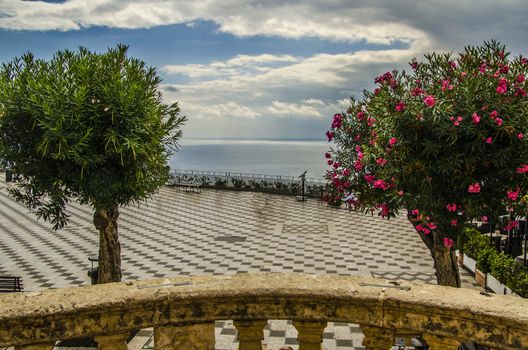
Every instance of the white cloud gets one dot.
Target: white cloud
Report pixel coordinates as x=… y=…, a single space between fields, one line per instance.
x=247 y=60
x=343 y=103
x=442 y=24
x=310 y=88
x=217 y=111
x=239 y=65
x=296 y=109
x=314 y=101
x=294 y=19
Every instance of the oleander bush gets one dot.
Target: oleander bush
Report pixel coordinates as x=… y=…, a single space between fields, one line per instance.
x=446 y=142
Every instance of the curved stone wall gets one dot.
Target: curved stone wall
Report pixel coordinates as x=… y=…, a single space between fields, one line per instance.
x=444 y=316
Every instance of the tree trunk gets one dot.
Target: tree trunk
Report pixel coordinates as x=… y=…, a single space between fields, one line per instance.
x=105 y=220
x=446 y=267
x=445 y=262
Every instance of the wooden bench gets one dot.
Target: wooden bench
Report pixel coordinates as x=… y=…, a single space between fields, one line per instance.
x=10 y=284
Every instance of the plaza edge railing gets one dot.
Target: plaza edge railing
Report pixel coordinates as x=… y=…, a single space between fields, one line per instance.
x=182 y=312
x=247 y=181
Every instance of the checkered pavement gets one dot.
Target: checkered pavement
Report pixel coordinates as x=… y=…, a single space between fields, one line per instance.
x=218 y=232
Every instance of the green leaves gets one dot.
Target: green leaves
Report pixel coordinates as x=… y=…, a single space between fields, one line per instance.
x=86 y=125
x=457 y=120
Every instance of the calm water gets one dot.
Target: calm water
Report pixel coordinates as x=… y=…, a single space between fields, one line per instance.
x=272 y=157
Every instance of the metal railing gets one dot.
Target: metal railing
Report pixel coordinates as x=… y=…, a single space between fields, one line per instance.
x=251 y=182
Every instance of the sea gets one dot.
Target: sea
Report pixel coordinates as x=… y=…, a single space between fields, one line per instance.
x=263 y=156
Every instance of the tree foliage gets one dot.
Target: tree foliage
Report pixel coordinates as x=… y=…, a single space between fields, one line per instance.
x=447 y=141
x=84 y=125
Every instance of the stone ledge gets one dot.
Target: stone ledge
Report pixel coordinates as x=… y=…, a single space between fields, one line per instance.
x=463 y=314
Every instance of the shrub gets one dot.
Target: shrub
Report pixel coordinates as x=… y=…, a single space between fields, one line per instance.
x=503 y=267
x=447 y=142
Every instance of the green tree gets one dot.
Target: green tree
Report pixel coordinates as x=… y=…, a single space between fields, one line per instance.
x=448 y=142
x=90 y=127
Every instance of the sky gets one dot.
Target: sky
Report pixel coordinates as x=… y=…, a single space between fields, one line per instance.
x=262 y=68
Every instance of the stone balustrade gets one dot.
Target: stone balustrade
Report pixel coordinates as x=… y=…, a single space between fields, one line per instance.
x=182 y=312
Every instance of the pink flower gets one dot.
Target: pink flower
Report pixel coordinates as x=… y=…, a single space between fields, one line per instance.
x=512 y=195
x=360 y=155
x=430 y=100
x=358 y=165
x=330 y=162
x=419 y=227
x=400 y=193
x=511 y=225
x=446 y=85
x=476 y=118
x=371 y=121
x=448 y=242
x=520 y=136
x=338 y=121
x=358 y=148
x=494 y=114
x=328 y=155
x=400 y=106
x=393 y=141
x=384 y=210
x=381 y=161
x=520 y=78
x=346 y=172
x=431 y=225
x=498 y=121
x=484 y=218
x=456 y=121
x=502 y=87
x=416 y=91
x=454 y=222
x=381 y=184
x=329 y=135
x=474 y=188
x=415 y=212
x=489 y=140
x=426 y=231
x=521 y=92
x=523 y=169
x=452 y=207
x=361 y=115
x=369 y=178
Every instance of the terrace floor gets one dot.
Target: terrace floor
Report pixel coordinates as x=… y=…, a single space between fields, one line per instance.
x=217 y=232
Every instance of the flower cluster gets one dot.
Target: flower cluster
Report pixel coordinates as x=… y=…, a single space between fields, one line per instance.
x=447 y=139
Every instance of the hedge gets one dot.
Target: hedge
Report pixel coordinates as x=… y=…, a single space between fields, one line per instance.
x=501 y=266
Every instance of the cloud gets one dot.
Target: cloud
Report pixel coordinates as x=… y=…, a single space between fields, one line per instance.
x=443 y=24
x=282 y=87
x=336 y=20
x=238 y=65
x=309 y=88
x=218 y=111
x=284 y=108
